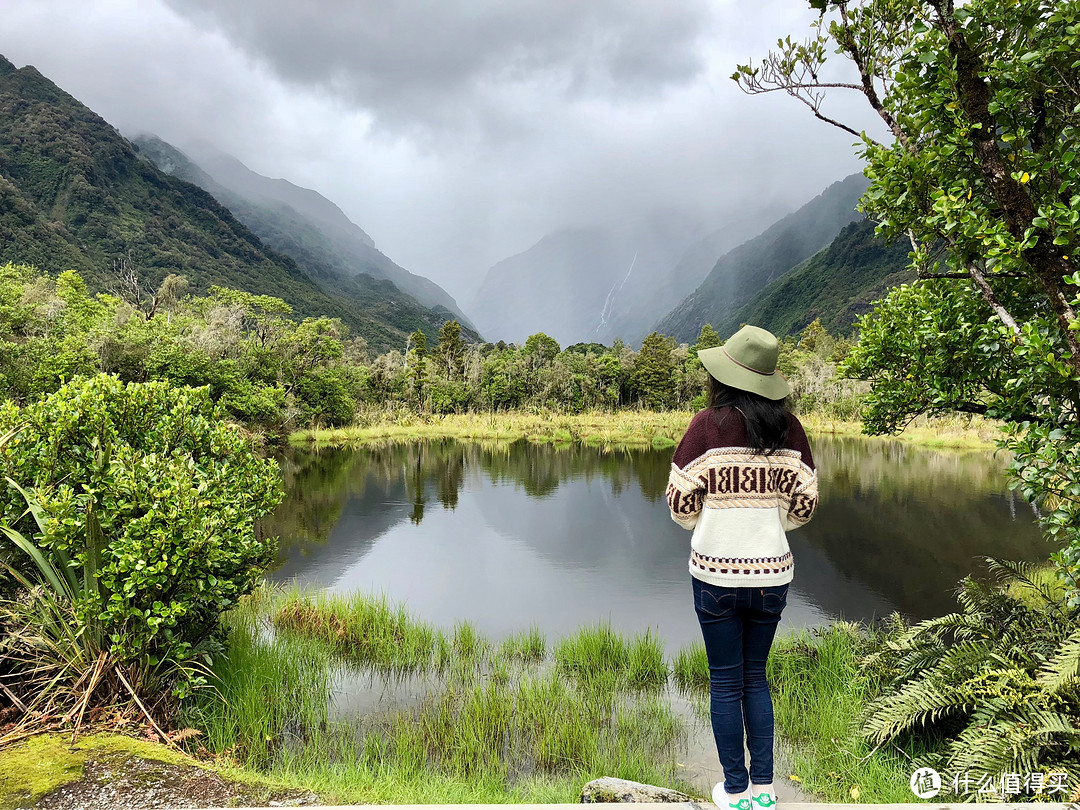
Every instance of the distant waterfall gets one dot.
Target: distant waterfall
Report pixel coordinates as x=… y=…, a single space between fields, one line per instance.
x=615 y=290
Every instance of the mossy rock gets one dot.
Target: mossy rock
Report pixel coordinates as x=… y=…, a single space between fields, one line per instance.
x=116 y=771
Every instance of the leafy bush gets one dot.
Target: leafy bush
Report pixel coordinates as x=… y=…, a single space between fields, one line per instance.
x=146 y=485
x=326 y=397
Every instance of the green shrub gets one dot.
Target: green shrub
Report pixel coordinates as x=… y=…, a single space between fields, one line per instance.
x=170 y=491
x=326 y=397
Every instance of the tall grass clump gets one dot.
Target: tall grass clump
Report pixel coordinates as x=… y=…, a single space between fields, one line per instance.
x=470 y=647
x=600 y=654
x=690 y=668
x=269 y=697
x=528 y=646
x=368 y=630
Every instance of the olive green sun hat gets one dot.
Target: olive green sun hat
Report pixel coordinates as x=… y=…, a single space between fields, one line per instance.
x=748 y=361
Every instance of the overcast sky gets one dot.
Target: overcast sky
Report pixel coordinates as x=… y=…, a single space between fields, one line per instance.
x=457 y=132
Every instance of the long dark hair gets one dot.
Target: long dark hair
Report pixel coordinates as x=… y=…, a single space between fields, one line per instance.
x=766 y=419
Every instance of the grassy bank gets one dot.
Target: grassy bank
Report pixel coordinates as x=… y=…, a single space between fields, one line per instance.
x=629 y=428
x=956 y=432
x=626 y=428
x=449 y=716
x=818 y=696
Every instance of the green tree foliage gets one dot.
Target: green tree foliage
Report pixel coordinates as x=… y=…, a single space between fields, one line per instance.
x=981 y=176
x=418 y=366
x=707 y=339
x=273 y=373
x=266 y=369
x=652 y=379
x=450 y=350
x=541 y=349
x=144 y=485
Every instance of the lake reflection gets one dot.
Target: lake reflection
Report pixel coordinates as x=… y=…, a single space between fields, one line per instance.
x=509 y=536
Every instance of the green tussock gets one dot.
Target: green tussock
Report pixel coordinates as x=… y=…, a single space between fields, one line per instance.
x=528 y=646
x=600 y=654
x=690 y=668
x=369 y=630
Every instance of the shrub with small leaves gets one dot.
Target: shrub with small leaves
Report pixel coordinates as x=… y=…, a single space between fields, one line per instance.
x=145 y=485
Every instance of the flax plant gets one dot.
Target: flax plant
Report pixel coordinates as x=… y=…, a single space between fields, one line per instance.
x=55 y=655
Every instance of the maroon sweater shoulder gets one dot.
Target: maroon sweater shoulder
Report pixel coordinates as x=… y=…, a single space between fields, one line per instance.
x=727 y=428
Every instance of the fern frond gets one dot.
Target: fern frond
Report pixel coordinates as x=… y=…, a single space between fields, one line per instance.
x=920 y=702
x=1064 y=666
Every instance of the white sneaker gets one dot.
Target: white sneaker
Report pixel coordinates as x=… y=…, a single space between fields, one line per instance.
x=730 y=801
x=762 y=797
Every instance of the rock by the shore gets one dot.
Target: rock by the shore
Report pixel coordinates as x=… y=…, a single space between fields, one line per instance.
x=610 y=789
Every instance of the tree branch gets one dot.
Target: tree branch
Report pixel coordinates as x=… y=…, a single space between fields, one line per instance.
x=1047 y=262
x=988 y=296
x=851 y=47
x=817 y=114
x=923 y=274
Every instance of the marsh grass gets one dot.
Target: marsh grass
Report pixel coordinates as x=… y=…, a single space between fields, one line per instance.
x=267 y=695
x=369 y=630
x=690 y=669
x=957 y=432
x=612 y=430
x=528 y=646
x=494 y=723
x=599 y=655
x=626 y=428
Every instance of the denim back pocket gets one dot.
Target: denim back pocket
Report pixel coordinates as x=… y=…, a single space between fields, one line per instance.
x=774 y=598
x=713 y=600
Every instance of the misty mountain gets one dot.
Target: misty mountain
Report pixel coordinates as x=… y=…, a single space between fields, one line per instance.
x=557 y=287
x=75 y=194
x=599 y=283
x=837 y=285
x=740 y=274
x=296 y=221
x=659 y=280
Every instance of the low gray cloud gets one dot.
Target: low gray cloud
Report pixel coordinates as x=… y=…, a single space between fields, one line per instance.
x=446 y=65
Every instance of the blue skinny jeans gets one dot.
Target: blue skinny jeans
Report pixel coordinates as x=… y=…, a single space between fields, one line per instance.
x=738 y=626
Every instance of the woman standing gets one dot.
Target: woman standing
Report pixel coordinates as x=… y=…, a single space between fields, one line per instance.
x=741 y=477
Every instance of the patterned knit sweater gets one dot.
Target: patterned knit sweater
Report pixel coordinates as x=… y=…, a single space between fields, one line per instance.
x=739 y=502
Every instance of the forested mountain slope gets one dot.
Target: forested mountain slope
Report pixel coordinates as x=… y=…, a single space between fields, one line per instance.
x=740 y=274
x=835 y=285
x=74 y=194
x=297 y=221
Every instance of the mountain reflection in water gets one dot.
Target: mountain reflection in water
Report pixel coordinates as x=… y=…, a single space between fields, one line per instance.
x=511 y=535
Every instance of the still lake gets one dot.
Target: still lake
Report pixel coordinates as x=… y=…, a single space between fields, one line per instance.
x=509 y=536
